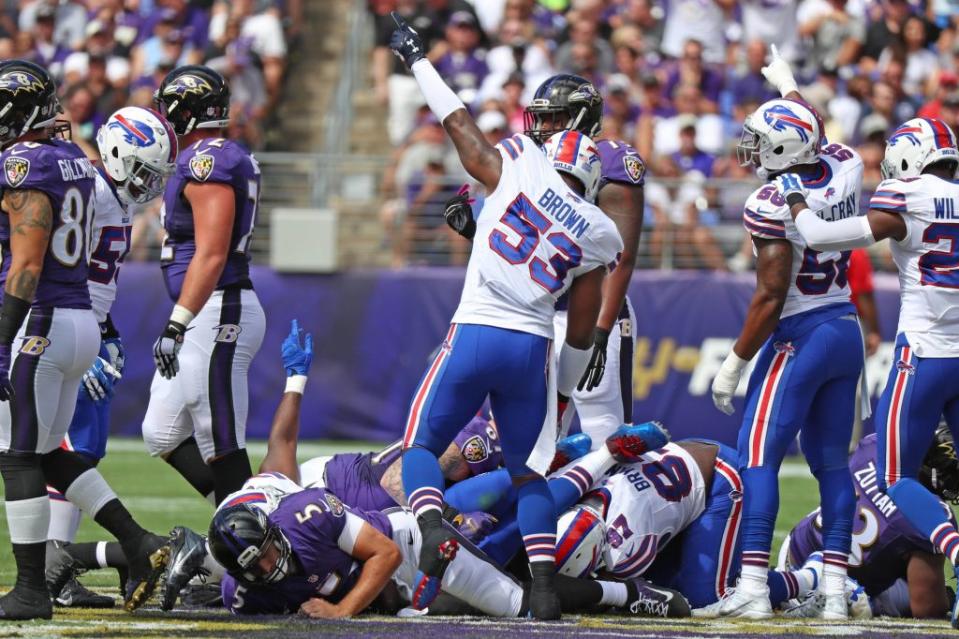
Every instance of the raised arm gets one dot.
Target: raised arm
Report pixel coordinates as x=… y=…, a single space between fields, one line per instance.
x=480 y=159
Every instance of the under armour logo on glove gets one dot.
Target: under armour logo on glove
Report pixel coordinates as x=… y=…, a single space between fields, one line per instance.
x=406 y=42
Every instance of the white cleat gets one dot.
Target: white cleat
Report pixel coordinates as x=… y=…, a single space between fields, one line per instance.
x=740 y=604
x=857 y=600
x=821 y=606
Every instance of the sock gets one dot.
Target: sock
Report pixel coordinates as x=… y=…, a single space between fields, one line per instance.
x=90 y=492
x=490 y=492
x=230 y=472
x=833 y=573
x=925 y=512
x=28 y=516
x=187 y=461
x=790 y=584
x=837 y=497
x=422 y=480
x=579 y=479
x=614 y=593
x=754 y=574
x=120 y=523
x=536 y=514
x=98 y=554
x=64 y=517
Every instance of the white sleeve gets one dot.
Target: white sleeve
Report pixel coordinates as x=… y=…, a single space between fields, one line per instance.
x=351 y=531
x=841 y=235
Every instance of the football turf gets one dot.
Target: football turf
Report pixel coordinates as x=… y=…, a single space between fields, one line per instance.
x=160 y=499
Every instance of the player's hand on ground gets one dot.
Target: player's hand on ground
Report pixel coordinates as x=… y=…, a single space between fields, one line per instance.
x=792 y=189
x=115 y=352
x=475 y=525
x=726 y=381
x=459 y=213
x=297 y=356
x=406 y=42
x=317 y=608
x=779 y=74
x=167 y=347
x=6 y=356
x=99 y=379
x=597 y=361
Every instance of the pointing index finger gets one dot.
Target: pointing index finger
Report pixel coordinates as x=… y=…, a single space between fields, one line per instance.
x=399 y=21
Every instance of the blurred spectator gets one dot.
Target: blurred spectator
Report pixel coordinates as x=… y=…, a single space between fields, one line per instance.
x=700 y=20
x=772 y=22
x=871 y=153
x=883 y=32
x=748 y=84
x=584 y=36
x=493 y=125
x=689 y=157
x=836 y=36
x=710 y=133
x=620 y=106
x=49 y=53
x=646 y=17
x=910 y=49
x=519 y=51
x=463 y=66
x=690 y=70
x=265 y=31
x=513 y=104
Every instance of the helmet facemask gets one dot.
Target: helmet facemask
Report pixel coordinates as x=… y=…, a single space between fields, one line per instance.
x=249 y=559
x=747 y=151
x=543 y=121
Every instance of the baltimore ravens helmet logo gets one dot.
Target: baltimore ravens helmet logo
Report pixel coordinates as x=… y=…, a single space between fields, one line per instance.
x=16 y=169
x=17 y=81
x=781 y=118
x=907 y=133
x=201 y=166
x=585 y=93
x=134 y=132
x=634 y=167
x=187 y=85
x=475 y=450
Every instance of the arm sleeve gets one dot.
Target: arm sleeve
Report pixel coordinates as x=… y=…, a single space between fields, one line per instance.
x=351 y=531
x=841 y=235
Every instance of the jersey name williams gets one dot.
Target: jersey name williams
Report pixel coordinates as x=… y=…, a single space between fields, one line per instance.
x=560 y=210
x=76 y=169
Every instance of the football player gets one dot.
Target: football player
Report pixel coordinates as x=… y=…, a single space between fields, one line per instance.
x=48 y=198
x=540 y=237
x=137 y=153
x=900 y=569
x=915 y=206
x=805 y=330
x=570 y=102
x=196 y=419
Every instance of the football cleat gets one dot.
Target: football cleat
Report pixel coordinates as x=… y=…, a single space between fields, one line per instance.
x=60 y=568
x=21 y=604
x=819 y=605
x=648 y=600
x=629 y=442
x=711 y=611
x=146 y=567
x=76 y=595
x=857 y=600
x=187 y=553
x=569 y=449
x=743 y=604
x=202 y=596
x=438 y=550
x=544 y=602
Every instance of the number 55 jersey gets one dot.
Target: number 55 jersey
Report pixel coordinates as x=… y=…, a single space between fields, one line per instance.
x=534 y=236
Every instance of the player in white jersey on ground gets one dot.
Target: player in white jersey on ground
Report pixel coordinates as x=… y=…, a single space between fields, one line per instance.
x=916 y=207
x=539 y=237
x=805 y=331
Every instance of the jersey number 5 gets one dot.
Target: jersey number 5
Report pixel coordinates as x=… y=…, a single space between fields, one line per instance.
x=530 y=225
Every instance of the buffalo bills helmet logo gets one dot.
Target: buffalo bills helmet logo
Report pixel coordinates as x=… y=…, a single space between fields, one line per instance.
x=781 y=118
x=134 y=132
x=17 y=81
x=784 y=347
x=905 y=367
x=188 y=85
x=907 y=133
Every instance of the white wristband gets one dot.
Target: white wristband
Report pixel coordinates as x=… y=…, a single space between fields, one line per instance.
x=734 y=362
x=788 y=87
x=295 y=384
x=440 y=98
x=181 y=315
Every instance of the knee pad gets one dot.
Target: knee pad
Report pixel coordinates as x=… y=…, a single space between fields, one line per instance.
x=22 y=476
x=61 y=467
x=159 y=443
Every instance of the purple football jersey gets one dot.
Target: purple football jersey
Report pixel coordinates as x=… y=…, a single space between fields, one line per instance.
x=479 y=443
x=621 y=163
x=312 y=521
x=210 y=160
x=59 y=169
x=882 y=538
x=355 y=478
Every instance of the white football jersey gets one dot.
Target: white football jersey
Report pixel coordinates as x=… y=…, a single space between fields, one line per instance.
x=263 y=491
x=818 y=277
x=109 y=244
x=928 y=261
x=646 y=504
x=534 y=235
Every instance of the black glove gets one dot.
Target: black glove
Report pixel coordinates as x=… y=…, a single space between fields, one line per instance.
x=166 y=348
x=597 y=361
x=459 y=215
x=406 y=42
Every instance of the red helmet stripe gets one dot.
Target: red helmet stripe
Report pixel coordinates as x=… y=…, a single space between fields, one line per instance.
x=583 y=522
x=941 y=133
x=569 y=147
x=132 y=129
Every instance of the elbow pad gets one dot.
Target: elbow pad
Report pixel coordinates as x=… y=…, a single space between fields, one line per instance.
x=841 y=235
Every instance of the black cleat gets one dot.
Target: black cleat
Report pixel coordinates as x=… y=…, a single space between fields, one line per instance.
x=187 y=552
x=60 y=568
x=648 y=600
x=21 y=604
x=202 y=596
x=544 y=603
x=145 y=570
x=76 y=595
x=438 y=550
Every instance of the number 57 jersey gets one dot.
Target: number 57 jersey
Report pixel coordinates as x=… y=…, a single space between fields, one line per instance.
x=927 y=259
x=534 y=235
x=818 y=277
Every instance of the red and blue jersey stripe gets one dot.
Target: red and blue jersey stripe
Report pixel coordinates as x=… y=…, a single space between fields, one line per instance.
x=888 y=200
x=762 y=226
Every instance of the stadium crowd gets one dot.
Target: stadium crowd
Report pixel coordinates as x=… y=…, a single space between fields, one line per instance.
x=678 y=78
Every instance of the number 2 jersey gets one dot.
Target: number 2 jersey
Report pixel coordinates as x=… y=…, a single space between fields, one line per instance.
x=926 y=259
x=533 y=237
x=59 y=169
x=211 y=160
x=818 y=278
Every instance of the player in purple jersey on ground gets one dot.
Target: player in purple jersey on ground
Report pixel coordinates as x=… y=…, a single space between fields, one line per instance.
x=196 y=419
x=47 y=206
x=898 y=566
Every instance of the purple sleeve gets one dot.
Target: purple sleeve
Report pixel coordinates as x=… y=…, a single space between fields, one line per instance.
x=480 y=446
x=621 y=163
x=27 y=167
x=213 y=163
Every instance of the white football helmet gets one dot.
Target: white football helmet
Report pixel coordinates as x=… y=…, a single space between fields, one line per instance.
x=138 y=149
x=580 y=542
x=780 y=134
x=916 y=144
x=573 y=153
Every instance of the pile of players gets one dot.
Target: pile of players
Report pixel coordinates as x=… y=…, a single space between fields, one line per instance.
x=506 y=519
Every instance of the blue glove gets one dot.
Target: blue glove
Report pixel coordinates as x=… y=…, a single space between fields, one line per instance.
x=99 y=379
x=114 y=353
x=406 y=42
x=475 y=526
x=6 y=388
x=790 y=186
x=297 y=358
